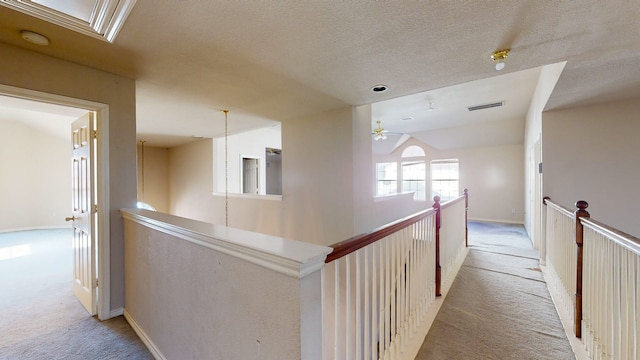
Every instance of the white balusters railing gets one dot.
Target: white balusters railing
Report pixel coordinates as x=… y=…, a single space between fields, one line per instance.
x=598 y=272
x=379 y=287
x=561 y=254
x=610 y=312
x=452 y=239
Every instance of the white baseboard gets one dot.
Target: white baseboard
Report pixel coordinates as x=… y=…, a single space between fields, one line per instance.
x=565 y=317
x=116 y=312
x=143 y=336
x=497 y=221
x=36 y=228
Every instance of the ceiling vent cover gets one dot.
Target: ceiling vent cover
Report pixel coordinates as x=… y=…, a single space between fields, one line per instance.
x=486 y=106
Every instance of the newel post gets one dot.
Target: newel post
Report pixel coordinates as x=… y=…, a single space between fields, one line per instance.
x=580 y=213
x=466 y=219
x=543 y=231
x=436 y=205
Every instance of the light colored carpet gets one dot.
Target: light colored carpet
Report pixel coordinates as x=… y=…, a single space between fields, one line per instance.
x=39 y=316
x=499 y=306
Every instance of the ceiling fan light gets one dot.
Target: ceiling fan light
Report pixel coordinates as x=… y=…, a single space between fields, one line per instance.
x=379 y=133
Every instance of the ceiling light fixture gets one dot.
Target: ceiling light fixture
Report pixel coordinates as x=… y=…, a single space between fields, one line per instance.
x=430 y=108
x=380 y=88
x=34 y=38
x=379 y=133
x=499 y=57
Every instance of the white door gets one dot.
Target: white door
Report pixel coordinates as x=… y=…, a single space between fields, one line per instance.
x=250 y=176
x=84 y=211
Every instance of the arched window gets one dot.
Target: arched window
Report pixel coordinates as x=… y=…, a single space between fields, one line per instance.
x=413 y=151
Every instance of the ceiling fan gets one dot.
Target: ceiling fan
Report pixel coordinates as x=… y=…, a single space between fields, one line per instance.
x=381 y=134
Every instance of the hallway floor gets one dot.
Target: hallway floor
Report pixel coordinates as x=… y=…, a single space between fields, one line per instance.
x=499 y=306
x=39 y=316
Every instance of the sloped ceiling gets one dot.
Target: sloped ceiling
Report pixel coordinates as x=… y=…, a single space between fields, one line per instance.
x=277 y=60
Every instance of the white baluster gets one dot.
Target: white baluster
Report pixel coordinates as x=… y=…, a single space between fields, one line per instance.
x=358 y=324
x=349 y=329
x=366 y=340
x=337 y=331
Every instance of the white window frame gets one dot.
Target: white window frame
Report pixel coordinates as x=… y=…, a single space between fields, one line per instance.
x=446 y=182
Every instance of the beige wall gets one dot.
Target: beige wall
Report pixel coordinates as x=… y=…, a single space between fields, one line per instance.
x=35 y=185
x=317 y=201
x=591 y=153
x=191 y=182
x=493 y=175
x=234 y=309
x=328 y=197
x=155 y=190
x=28 y=70
x=495 y=179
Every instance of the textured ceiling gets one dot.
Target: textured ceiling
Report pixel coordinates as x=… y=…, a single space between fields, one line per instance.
x=271 y=61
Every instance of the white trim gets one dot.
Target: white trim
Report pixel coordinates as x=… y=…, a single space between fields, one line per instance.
x=153 y=349
x=104 y=209
x=116 y=312
x=104 y=240
x=408 y=194
x=498 y=221
x=35 y=228
x=294 y=258
x=104 y=23
x=551 y=281
x=251 y=196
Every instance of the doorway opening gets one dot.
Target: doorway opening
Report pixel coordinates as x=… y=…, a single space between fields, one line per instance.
x=45 y=103
x=250 y=175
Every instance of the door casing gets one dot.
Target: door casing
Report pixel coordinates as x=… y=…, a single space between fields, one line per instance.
x=102 y=168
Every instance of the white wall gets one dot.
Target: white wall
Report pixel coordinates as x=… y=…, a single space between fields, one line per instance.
x=549 y=76
x=28 y=70
x=35 y=180
x=251 y=144
x=591 y=153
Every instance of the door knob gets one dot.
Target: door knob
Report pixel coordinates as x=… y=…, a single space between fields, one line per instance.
x=70 y=218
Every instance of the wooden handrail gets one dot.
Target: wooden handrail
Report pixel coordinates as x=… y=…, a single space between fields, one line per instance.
x=343 y=248
x=346 y=247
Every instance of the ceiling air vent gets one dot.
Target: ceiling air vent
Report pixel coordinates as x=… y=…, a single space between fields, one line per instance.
x=486 y=106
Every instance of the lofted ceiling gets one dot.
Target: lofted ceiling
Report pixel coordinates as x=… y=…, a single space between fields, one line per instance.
x=273 y=61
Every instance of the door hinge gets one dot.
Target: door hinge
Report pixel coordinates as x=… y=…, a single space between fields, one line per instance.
x=94 y=134
x=94 y=209
x=95 y=283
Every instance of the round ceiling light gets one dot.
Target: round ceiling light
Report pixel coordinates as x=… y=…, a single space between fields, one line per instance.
x=34 y=38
